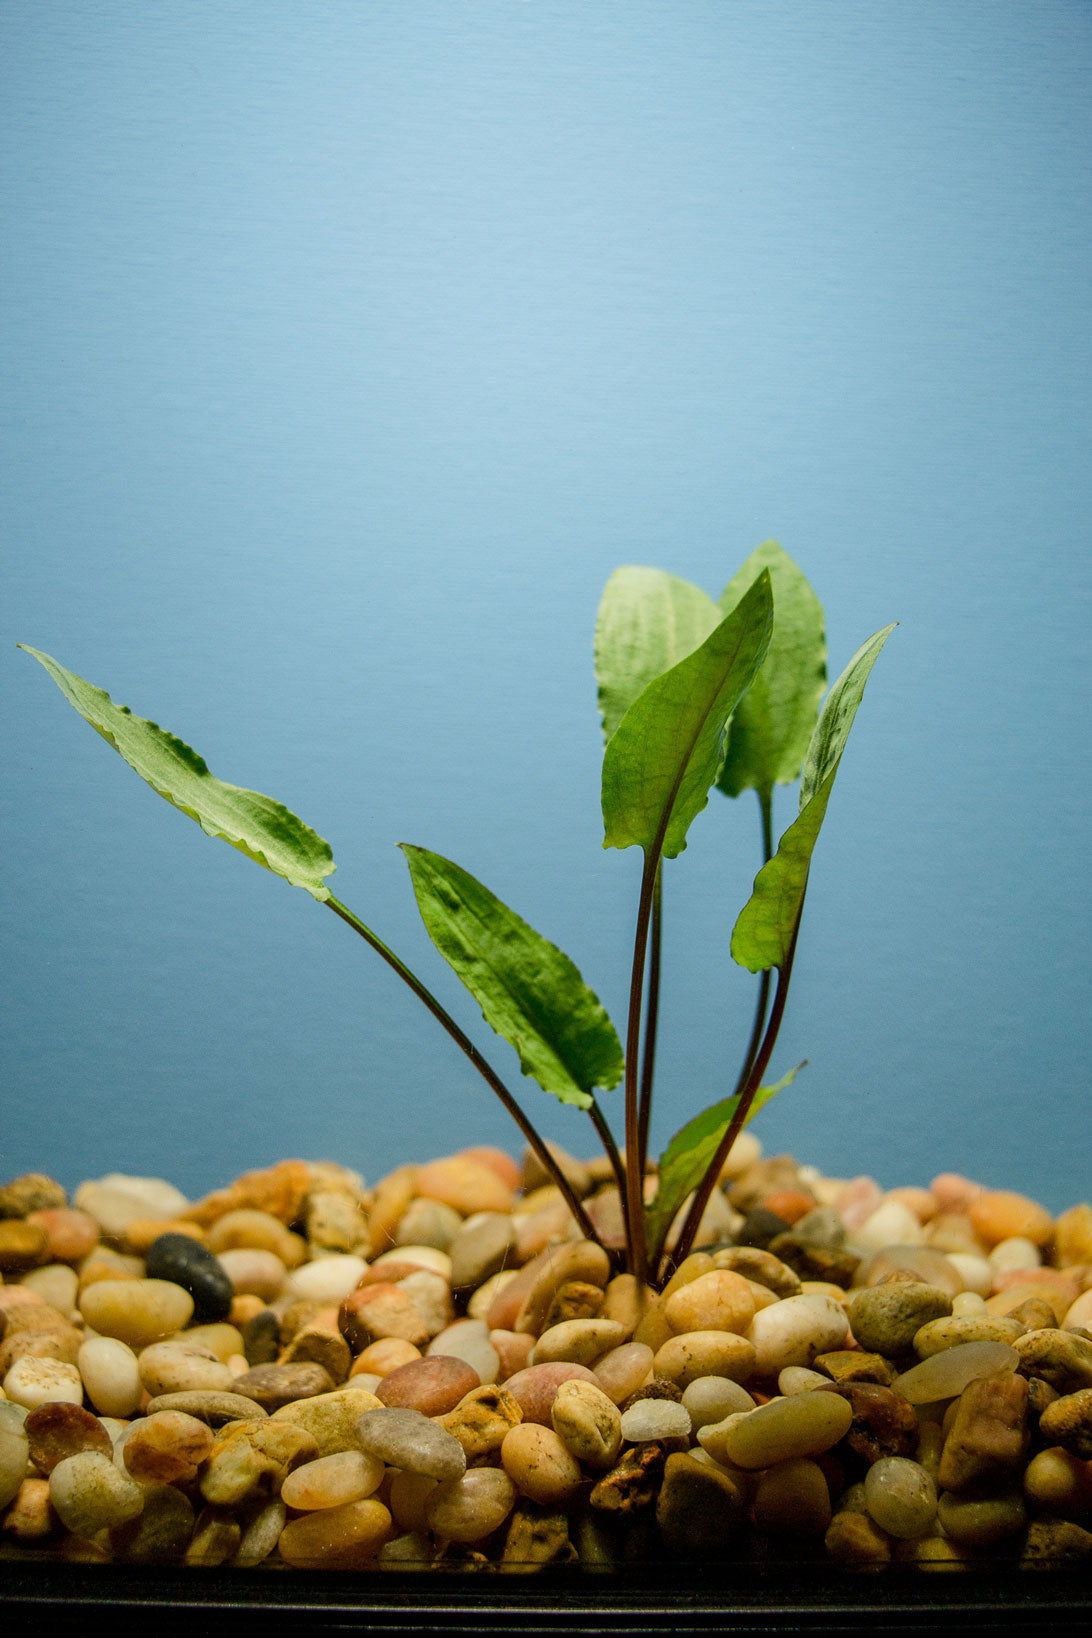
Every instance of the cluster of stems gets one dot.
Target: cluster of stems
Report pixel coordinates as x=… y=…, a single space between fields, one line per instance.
x=650 y=1264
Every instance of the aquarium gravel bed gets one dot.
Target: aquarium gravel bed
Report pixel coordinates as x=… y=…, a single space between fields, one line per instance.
x=301 y=1373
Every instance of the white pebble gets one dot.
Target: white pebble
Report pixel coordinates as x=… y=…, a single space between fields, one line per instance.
x=56 y=1284
x=1013 y=1253
x=793 y=1331
x=327 y=1279
x=655 y=1419
x=111 y=1375
x=891 y=1224
x=33 y=1382
x=968 y=1305
x=428 y=1257
x=975 y=1272
x=468 y=1339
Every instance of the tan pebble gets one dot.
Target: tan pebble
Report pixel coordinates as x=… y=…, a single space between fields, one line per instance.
x=1079 y=1314
x=32 y=1382
x=794 y=1331
x=807 y=1424
x=386 y=1355
x=392 y=1196
x=540 y=1464
x=718 y=1300
x=60 y=1342
x=507 y=1169
x=513 y=1350
x=410 y=1257
x=624 y=1302
x=142 y=1233
x=250 y=1230
x=215 y=1409
x=59 y=1428
x=70 y=1234
x=481 y=1419
x=23 y=1245
x=220 y=1336
x=244 y=1308
x=274 y=1386
x=580 y=1341
x=253 y=1271
x=428 y=1223
x=952 y=1231
x=167 y=1448
x=331 y=1481
x=471 y=1508
x=588 y=1422
x=852 y=1538
x=481 y=1247
x=1058 y=1481
x=924 y=1263
x=279 y=1190
x=30 y=1517
x=430 y=1294
x=939 y=1334
x=465 y=1184
x=793 y=1499
x=1071 y=1243
x=468 y=1340
x=383 y=1310
x=579 y=1260
x=705 y=1353
x=56 y=1283
x=330 y=1418
x=182 y=1366
x=90 y=1493
x=690 y=1269
x=249 y=1457
x=1000 y=1214
x=1013 y=1296
x=136 y=1311
x=326 y=1279
x=981 y=1521
x=624 y=1369
x=479 y=1305
x=433 y=1385
x=17 y=1296
x=408 y=1500
x=320 y=1343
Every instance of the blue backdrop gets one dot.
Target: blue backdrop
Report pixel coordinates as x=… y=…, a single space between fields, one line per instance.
x=350 y=345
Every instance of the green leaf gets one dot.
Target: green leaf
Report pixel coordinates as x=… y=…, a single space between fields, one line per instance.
x=529 y=991
x=773 y=722
x=258 y=826
x=689 y=1155
x=648 y=621
x=666 y=752
x=763 y=933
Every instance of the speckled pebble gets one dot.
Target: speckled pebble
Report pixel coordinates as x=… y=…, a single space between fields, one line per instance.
x=408 y=1439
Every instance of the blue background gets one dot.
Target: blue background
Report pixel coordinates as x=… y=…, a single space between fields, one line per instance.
x=350 y=345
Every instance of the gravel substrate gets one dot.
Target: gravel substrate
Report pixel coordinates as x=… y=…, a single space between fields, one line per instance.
x=302 y=1372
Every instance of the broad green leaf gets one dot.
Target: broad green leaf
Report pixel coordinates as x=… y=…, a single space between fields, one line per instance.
x=666 y=752
x=648 y=621
x=763 y=933
x=688 y=1156
x=773 y=722
x=258 y=826
x=529 y=991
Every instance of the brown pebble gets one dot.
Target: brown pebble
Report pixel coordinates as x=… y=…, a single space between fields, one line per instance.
x=632 y=1484
x=272 y=1386
x=33 y=1191
x=23 y=1245
x=70 y=1234
x=56 y=1430
x=167 y=1447
x=988 y=1437
x=481 y=1420
x=535 y=1388
x=30 y=1516
x=433 y=1385
x=373 y=1312
x=884 y=1423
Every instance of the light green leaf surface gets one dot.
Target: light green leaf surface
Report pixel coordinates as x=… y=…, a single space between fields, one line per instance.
x=666 y=752
x=265 y=830
x=773 y=722
x=529 y=991
x=648 y=621
x=763 y=933
x=688 y=1156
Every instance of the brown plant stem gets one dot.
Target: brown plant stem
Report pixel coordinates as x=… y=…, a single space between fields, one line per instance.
x=606 y=1138
x=636 y=1252
x=652 y=1013
x=746 y=1098
x=485 y=1070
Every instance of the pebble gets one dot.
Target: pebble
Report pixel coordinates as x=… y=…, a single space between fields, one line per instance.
x=792 y=1332
x=187 y=1263
x=1000 y=1214
x=947 y=1373
x=410 y=1440
x=14 y=1452
x=578 y=1341
x=465 y=1184
x=535 y=1388
x=468 y=1340
x=110 y=1375
x=805 y=1425
x=433 y=1385
x=336 y=1538
x=793 y=1499
x=274 y=1386
x=327 y=1279
x=90 y=1493
x=136 y=1311
x=330 y=1419
x=470 y=1508
x=655 y=1419
x=540 y=1464
x=712 y=1398
x=901 y=1497
x=621 y=1371
x=33 y=1382
x=60 y=1428
x=215 y=1409
x=885 y=1318
x=182 y=1366
x=331 y=1481
x=706 y=1353
x=167 y=1447
x=482 y=1418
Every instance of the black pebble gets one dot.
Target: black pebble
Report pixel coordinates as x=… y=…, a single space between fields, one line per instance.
x=189 y=1264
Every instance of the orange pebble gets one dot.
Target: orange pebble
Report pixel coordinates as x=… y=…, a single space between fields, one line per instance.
x=141 y=1234
x=1000 y=1214
x=245 y=1307
x=954 y=1192
x=386 y=1355
x=1007 y=1301
x=498 y=1161
x=11 y=1296
x=1063 y=1283
x=466 y=1185
x=788 y=1204
x=70 y=1234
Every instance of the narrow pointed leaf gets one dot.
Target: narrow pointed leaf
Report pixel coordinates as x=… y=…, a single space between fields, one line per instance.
x=763 y=933
x=773 y=722
x=648 y=621
x=529 y=991
x=688 y=1156
x=666 y=752
x=265 y=830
